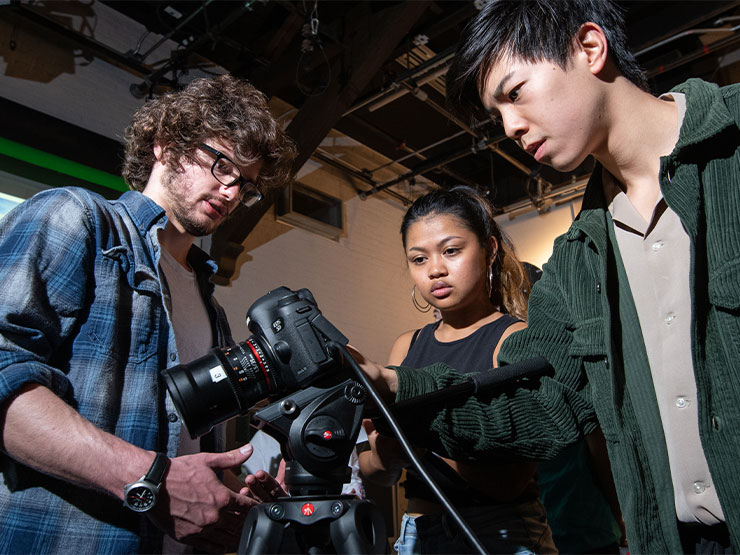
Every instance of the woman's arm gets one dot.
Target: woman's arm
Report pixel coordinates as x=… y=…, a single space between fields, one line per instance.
x=507 y=332
x=383 y=462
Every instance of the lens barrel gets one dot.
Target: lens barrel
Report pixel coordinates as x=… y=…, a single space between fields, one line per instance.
x=220 y=385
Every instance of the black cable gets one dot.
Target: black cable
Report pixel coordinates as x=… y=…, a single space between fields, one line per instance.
x=385 y=411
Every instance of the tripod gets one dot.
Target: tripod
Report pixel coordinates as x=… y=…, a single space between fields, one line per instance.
x=317 y=429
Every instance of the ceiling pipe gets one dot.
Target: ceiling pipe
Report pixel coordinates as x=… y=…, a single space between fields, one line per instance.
x=345 y=166
x=417 y=152
x=561 y=195
x=408 y=88
x=441 y=58
x=405 y=148
x=431 y=164
x=139 y=90
x=686 y=34
x=683 y=60
x=169 y=35
x=510 y=159
x=493 y=146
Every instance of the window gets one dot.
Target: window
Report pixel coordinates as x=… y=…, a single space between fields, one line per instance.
x=314 y=211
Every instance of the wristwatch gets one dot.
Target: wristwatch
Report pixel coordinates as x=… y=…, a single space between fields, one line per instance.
x=141 y=496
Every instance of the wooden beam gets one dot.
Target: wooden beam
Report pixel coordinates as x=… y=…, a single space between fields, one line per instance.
x=370 y=41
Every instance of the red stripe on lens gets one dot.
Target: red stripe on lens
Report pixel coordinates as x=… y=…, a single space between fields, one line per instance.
x=262 y=366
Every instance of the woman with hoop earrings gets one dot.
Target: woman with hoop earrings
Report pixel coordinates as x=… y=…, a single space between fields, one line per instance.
x=462 y=265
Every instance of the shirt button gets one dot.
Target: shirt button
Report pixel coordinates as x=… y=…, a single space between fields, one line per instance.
x=669 y=318
x=699 y=487
x=173 y=356
x=682 y=402
x=657 y=245
x=598 y=287
x=172 y=417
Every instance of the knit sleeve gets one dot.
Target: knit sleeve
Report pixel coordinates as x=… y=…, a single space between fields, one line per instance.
x=535 y=422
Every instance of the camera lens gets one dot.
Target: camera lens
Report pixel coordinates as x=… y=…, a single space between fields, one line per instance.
x=222 y=384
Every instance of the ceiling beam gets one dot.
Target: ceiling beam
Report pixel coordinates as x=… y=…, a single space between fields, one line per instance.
x=370 y=39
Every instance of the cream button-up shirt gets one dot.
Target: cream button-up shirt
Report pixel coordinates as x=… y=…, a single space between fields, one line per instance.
x=656 y=257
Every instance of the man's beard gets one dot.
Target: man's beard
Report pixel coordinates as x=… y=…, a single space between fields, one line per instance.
x=180 y=209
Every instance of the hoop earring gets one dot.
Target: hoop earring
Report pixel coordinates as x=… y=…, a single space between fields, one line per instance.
x=489 y=283
x=420 y=307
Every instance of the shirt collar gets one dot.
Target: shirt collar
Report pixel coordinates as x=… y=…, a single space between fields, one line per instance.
x=201 y=262
x=706 y=113
x=143 y=211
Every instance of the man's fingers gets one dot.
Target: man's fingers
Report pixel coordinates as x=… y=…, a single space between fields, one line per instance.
x=230 y=459
x=239 y=502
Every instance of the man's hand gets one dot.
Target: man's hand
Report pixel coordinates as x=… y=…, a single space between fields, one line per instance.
x=196 y=508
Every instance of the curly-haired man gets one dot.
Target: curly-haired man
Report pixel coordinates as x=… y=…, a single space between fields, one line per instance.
x=99 y=296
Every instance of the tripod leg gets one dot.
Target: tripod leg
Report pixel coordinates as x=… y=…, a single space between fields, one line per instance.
x=260 y=533
x=360 y=530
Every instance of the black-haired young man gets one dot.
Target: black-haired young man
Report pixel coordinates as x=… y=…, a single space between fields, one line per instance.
x=638 y=310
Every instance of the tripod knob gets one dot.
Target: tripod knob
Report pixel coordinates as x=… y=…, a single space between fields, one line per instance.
x=321 y=434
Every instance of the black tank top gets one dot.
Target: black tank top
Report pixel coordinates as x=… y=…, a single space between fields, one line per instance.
x=473 y=353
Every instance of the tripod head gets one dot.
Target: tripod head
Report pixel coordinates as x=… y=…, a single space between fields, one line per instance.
x=317 y=428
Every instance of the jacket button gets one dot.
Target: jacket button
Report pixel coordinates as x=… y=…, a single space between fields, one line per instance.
x=172 y=417
x=598 y=288
x=172 y=357
x=715 y=422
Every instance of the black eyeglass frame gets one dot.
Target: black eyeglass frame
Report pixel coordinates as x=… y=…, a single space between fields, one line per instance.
x=249 y=192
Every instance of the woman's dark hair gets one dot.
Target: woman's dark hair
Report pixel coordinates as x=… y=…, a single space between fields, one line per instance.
x=510 y=284
x=223 y=108
x=531 y=30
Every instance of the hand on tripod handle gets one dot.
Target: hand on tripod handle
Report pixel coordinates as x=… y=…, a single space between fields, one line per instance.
x=265 y=488
x=384 y=379
x=385 y=460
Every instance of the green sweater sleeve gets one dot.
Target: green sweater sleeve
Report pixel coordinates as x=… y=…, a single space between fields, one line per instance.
x=535 y=422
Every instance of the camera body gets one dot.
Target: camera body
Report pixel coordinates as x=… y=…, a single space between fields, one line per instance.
x=296 y=333
x=289 y=350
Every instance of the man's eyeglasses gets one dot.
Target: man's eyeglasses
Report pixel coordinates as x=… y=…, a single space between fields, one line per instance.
x=226 y=172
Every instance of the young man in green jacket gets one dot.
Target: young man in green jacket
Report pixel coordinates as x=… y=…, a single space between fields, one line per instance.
x=638 y=310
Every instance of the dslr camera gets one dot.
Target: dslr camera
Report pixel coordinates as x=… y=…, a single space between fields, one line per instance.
x=287 y=351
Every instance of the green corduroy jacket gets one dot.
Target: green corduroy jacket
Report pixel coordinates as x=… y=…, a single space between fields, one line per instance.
x=583 y=319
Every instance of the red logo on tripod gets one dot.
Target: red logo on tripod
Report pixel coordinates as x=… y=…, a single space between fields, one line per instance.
x=307 y=509
x=327 y=434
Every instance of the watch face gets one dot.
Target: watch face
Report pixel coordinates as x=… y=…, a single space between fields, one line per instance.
x=140 y=498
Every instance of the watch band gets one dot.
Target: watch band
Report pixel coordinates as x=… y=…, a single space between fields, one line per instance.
x=155 y=475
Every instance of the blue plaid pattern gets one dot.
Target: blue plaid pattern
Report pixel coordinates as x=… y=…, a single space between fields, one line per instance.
x=82 y=312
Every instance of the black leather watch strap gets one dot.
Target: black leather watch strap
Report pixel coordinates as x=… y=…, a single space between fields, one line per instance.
x=157 y=470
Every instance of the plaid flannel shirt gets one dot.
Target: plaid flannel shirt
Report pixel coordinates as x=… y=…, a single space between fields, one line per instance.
x=83 y=312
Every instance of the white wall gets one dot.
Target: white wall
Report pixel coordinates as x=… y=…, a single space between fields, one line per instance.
x=360 y=283
x=533 y=234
